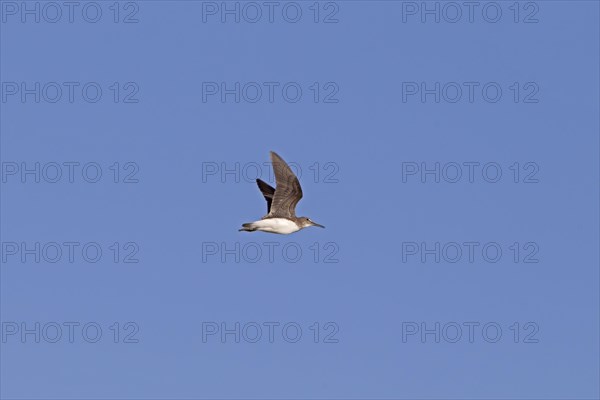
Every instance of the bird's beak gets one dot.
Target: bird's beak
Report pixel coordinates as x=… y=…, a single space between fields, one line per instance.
x=319 y=225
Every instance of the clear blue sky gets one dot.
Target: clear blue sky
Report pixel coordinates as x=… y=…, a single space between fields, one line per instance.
x=379 y=292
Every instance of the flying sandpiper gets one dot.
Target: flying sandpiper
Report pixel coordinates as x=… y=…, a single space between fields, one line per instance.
x=281 y=202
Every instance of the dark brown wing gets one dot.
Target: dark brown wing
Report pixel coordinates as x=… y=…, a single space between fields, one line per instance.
x=288 y=191
x=268 y=191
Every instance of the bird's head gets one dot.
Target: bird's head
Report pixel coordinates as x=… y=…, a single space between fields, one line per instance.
x=306 y=222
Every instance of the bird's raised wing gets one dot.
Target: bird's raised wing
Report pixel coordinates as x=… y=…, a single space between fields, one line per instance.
x=288 y=191
x=268 y=191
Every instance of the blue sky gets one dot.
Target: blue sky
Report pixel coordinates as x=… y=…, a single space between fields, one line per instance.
x=172 y=117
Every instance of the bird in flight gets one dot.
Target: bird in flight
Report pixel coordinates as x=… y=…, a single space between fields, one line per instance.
x=281 y=202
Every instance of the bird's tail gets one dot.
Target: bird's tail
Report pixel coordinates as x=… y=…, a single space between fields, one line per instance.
x=248 y=227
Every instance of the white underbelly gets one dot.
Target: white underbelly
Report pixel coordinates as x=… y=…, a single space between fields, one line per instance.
x=276 y=225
